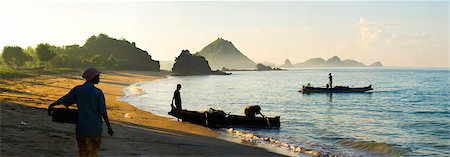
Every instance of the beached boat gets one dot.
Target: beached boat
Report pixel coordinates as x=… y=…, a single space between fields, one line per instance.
x=336 y=89
x=217 y=119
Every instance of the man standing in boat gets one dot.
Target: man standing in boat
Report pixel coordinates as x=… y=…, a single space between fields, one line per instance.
x=331 y=80
x=177 y=98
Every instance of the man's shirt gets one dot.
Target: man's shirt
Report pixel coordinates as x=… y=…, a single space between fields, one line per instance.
x=91 y=104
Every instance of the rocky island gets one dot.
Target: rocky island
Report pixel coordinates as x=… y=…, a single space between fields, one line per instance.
x=188 y=64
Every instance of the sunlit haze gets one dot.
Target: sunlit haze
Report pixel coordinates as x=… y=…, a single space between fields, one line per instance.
x=395 y=33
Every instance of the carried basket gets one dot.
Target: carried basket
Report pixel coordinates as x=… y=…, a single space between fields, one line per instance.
x=64 y=115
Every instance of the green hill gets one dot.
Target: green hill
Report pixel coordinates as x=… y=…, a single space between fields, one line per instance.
x=134 y=57
x=99 y=51
x=222 y=53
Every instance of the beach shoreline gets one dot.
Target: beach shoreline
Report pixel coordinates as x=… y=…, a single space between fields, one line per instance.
x=26 y=129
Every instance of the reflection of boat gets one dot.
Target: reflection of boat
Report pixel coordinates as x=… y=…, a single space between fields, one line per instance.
x=336 y=89
x=216 y=119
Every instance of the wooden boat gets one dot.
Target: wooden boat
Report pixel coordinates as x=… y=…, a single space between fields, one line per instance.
x=336 y=89
x=218 y=119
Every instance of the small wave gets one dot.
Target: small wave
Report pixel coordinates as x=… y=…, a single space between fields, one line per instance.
x=252 y=137
x=372 y=146
x=135 y=90
x=387 y=91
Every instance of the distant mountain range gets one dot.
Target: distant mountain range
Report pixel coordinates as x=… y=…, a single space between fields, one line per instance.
x=332 y=62
x=222 y=53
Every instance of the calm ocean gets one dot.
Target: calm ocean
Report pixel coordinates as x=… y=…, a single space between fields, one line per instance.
x=407 y=113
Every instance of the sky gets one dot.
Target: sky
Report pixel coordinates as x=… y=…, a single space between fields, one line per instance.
x=397 y=33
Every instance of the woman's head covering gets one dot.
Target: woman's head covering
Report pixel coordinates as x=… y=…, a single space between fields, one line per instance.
x=90 y=74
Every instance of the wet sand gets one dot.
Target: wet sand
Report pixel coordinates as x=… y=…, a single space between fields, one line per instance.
x=27 y=130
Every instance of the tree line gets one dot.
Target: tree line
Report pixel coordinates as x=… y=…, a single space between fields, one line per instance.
x=98 y=51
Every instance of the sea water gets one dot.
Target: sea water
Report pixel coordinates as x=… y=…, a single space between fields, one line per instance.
x=407 y=113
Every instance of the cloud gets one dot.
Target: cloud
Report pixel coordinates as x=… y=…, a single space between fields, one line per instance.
x=380 y=34
x=407 y=40
x=369 y=31
x=395 y=44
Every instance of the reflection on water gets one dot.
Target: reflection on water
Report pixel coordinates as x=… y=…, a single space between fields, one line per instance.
x=407 y=113
x=329 y=96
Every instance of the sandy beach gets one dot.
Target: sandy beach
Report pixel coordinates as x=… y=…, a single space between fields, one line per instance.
x=27 y=130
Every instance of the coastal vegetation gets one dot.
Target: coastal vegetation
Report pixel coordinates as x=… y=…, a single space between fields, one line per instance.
x=14 y=56
x=100 y=51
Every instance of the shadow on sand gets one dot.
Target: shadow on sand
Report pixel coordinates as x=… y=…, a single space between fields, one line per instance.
x=29 y=131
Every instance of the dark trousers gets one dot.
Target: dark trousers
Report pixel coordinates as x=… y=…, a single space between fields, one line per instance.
x=178 y=105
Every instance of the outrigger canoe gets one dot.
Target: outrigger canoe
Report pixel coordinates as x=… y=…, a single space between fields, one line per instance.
x=337 y=89
x=219 y=119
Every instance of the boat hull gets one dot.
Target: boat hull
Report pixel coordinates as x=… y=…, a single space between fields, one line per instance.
x=219 y=121
x=335 y=90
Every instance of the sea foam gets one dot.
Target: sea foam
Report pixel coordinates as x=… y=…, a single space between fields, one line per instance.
x=134 y=90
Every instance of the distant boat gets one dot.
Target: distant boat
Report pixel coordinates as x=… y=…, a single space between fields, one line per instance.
x=336 y=89
x=219 y=119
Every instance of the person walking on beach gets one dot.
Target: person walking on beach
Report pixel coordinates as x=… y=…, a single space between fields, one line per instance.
x=331 y=80
x=91 y=108
x=177 y=98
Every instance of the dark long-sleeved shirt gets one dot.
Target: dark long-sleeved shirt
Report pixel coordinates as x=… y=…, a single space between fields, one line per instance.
x=91 y=104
